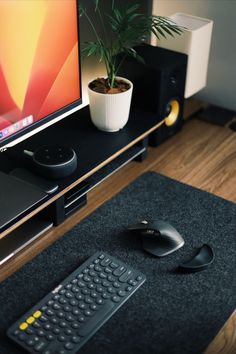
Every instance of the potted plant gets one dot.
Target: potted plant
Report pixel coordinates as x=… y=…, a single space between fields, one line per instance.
x=122 y=29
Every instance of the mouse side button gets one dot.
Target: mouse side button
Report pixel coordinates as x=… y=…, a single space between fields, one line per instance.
x=200 y=261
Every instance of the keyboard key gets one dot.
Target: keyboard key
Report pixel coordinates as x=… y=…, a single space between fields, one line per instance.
x=118 y=271
x=125 y=276
x=62 y=322
x=99 y=315
x=105 y=262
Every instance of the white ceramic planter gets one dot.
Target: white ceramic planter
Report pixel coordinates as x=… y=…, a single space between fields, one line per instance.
x=110 y=112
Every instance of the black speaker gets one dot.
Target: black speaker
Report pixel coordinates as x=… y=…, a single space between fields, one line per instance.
x=159 y=85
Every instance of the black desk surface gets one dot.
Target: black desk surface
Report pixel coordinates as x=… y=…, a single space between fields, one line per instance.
x=172 y=312
x=92 y=146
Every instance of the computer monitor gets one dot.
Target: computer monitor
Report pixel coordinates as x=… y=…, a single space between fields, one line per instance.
x=40 y=76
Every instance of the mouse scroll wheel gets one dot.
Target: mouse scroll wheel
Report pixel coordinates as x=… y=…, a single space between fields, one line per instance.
x=151 y=232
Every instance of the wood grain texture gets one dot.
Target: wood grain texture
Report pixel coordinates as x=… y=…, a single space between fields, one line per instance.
x=225 y=341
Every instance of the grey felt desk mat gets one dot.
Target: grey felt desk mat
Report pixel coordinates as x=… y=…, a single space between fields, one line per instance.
x=172 y=312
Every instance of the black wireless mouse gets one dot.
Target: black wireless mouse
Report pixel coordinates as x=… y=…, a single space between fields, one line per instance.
x=159 y=237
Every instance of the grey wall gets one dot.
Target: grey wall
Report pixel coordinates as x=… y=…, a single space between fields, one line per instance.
x=221 y=84
x=91 y=68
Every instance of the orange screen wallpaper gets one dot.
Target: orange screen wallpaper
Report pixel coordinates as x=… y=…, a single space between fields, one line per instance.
x=39 y=61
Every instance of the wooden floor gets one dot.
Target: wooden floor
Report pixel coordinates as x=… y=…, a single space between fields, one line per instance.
x=201 y=155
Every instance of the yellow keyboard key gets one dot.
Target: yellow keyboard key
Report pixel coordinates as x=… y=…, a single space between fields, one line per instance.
x=23 y=326
x=30 y=320
x=37 y=314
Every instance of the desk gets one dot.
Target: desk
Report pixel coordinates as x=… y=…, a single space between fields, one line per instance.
x=198 y=143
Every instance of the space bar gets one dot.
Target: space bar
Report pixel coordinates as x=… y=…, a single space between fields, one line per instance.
x=96 y=319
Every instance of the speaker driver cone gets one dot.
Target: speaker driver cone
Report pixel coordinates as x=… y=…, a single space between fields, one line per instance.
x=172 y=111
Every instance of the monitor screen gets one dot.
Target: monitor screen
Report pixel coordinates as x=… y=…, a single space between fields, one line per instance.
x=39 y=64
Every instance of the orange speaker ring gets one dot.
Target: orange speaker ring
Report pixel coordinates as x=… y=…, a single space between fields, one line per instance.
x=174 y=113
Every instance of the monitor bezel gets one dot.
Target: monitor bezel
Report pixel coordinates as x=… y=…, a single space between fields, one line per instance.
x=54 y=116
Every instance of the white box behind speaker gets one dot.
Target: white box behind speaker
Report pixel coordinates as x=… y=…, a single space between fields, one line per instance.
x=195 y=42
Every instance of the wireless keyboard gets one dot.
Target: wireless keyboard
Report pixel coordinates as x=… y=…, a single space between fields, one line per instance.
x=68 y=316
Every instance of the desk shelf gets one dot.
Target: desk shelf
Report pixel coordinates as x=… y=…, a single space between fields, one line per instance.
x=99 y=154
